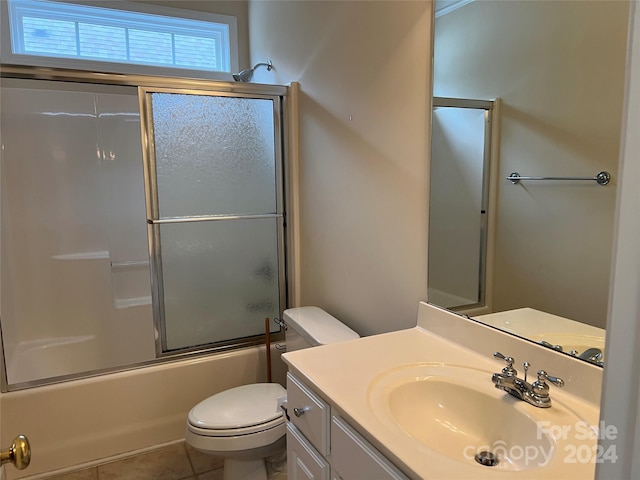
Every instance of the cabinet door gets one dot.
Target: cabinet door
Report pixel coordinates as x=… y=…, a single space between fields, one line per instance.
x=355 y=458
x=303 y=461
x=309 y=413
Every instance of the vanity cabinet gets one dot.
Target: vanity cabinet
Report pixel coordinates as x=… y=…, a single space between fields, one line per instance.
x=323 y=446
x=303 y=461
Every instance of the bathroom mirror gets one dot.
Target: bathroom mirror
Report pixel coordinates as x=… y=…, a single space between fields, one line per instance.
x=541 y=248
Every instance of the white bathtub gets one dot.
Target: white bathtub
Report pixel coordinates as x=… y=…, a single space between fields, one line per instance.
x=80 y=422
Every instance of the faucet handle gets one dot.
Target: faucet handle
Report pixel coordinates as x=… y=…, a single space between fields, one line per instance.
x=540 y=386
x=557 y=381
x=508 y=370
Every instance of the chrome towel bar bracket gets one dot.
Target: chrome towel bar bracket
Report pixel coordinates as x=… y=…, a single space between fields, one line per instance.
x=601 y=178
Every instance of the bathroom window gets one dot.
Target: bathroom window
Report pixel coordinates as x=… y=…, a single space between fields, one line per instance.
x=131 y=39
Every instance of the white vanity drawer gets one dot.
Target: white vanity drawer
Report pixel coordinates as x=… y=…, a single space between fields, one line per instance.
x=309 y=413
x=354 y=458
x=303 y=462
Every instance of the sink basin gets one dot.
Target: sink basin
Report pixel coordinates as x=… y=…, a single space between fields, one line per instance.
x=456 y=412
x=444 y=422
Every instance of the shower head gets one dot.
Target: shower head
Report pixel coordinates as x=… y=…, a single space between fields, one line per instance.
x=245 y=75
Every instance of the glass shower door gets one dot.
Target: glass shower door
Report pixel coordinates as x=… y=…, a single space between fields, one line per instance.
x=215 y=214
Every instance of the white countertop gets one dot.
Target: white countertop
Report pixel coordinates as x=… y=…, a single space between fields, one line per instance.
x=342 y=374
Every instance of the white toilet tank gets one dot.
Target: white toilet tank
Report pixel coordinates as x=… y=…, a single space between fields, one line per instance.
x=312 y=326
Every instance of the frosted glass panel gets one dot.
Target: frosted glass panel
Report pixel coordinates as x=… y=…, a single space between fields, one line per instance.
x=220 y=280
x=214 y=155
x=455 y=216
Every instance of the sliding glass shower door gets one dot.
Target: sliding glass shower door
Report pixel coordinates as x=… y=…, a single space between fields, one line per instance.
x=215 y=212
x=136 y=223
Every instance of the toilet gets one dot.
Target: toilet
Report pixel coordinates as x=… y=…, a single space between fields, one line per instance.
x=245 y=424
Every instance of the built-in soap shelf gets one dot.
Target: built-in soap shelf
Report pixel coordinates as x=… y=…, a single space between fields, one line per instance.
x=130 y=280
x=101 y=255
x=130 y=264
x=95 y=255
x=132 y=302
x=130 y=283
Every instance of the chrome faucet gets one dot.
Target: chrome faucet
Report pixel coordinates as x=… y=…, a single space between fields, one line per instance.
x=536 y=393
x=593 y=355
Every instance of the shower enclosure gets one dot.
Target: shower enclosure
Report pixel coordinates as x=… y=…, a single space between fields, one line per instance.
x=141 y=219
x=459 y=202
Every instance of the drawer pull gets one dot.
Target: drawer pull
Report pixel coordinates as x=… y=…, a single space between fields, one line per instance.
x=299 y=411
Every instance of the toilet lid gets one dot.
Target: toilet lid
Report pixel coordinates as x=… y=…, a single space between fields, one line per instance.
x=239 y=407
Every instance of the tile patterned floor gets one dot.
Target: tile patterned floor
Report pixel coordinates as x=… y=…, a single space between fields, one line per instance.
x=175 y=462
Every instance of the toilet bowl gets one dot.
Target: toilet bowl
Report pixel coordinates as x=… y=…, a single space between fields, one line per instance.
x=245 y=425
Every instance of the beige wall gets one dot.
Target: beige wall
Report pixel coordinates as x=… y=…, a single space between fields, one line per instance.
x=559 y=69
x=364 y=73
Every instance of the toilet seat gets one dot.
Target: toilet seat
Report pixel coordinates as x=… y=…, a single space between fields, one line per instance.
x=232 y=432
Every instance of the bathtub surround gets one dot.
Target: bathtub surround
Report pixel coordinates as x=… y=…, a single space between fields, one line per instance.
x=87 y=273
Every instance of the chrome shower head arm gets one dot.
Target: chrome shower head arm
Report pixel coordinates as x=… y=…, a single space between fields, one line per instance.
x=246 y=74
x=269 y=65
